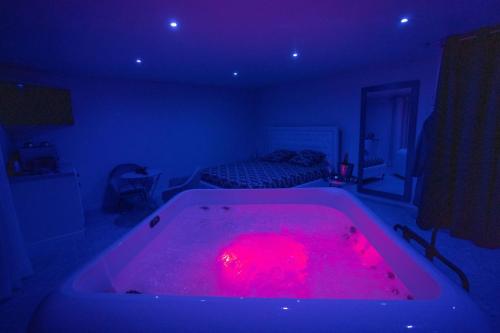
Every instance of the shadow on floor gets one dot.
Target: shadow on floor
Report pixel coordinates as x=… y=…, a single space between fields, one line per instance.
x=131 y=218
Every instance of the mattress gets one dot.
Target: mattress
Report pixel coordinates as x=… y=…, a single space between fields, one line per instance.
x=261 y=174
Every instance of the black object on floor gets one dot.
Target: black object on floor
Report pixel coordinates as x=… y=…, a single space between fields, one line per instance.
x=432 y=252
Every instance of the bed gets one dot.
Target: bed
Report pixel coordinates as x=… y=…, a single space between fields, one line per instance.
x=257 y=173
x=262 y=174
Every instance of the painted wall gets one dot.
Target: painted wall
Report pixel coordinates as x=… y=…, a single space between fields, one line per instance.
x=177 y=127
x=170 y=127
x=4 y=143
x=335 y=101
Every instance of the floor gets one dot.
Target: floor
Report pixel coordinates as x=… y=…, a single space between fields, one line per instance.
x=390 y=183
x=52 y=268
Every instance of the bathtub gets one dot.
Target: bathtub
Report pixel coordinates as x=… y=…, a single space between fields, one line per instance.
x=277 y=260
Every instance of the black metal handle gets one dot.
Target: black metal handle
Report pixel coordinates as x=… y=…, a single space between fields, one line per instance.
x=432 y=252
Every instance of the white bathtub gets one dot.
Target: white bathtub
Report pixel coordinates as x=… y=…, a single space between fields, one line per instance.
x=96 y=299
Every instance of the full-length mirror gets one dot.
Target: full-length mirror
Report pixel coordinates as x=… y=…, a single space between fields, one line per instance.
x=387 y=137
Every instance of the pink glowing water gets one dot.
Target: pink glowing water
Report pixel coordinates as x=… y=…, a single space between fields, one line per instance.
x=288 y=251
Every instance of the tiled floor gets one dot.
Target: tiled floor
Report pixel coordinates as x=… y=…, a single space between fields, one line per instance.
x=389 y=183
x=481 y=265
x=54 y=266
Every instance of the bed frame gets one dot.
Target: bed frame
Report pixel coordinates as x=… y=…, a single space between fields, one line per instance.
x=321 y=138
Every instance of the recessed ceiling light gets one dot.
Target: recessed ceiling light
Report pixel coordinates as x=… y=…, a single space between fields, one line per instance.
x=295 y=54
x=138 y=61
x=404 y=20
x=235 y=74
x=173 y=24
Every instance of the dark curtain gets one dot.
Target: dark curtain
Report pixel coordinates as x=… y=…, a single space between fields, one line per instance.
x=461 y=188
x=421 y=164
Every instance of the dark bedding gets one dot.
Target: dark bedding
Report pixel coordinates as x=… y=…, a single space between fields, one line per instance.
x=262 y=174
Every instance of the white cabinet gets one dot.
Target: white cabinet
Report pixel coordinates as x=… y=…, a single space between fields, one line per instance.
x=48 y=206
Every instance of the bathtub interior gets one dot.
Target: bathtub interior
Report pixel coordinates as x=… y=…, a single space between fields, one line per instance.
x=300 y=243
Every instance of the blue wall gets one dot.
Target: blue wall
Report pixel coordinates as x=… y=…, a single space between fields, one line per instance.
x=176 y=127
x=4 y=143
x=335 y=101
x=171 y=127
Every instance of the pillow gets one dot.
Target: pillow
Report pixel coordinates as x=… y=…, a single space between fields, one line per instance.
x=280 y=155
x=308 y=158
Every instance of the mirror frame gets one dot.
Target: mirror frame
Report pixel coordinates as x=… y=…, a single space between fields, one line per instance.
x=414 y=85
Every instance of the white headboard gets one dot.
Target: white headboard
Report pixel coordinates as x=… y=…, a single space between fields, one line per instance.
x=324 y=139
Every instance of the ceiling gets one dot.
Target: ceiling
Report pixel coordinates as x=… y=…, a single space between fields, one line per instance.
x=215 y=38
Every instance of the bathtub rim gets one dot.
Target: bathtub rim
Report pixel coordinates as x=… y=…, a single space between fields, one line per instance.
x=443 y=306
x=446 y=286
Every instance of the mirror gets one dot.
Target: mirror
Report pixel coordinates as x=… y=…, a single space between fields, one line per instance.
x=387 y=139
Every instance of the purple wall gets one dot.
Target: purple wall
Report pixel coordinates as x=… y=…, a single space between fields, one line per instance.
x=335 y=101
x=170 y=127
